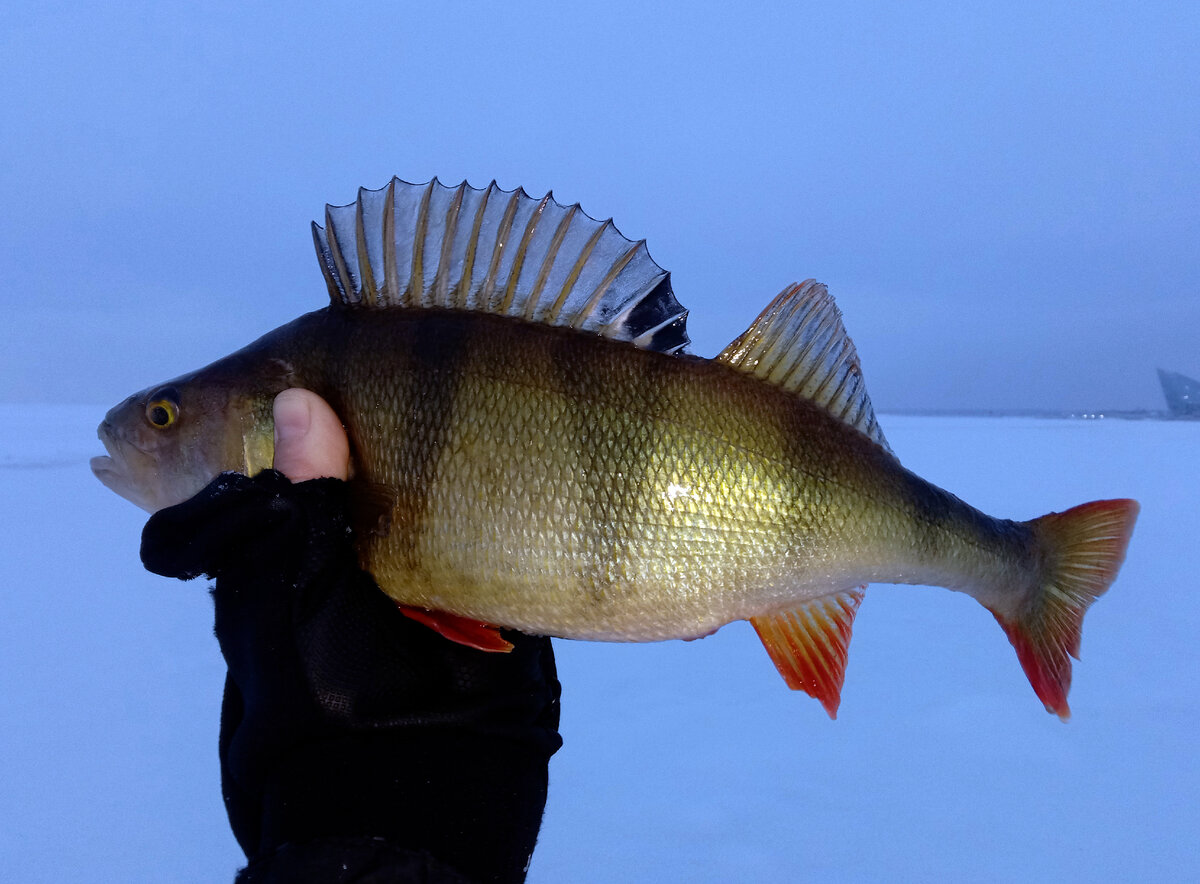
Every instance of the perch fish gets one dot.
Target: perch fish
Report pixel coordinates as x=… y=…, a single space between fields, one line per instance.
x=541 y=454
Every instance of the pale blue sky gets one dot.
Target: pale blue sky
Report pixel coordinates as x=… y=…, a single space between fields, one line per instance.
x=1003 y=197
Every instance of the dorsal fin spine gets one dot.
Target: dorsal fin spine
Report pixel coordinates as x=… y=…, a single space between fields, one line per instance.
x=416 y=277
x=577 y=322
x=369 y=291
x=514 y=273
x=489 y=282
x=603 y=285
x=569 y=283
x=325 y=258
x=462 y=298
x=441 y=281
x=533 y=259
x=339 y=262
x=391 y=274
x=556 y=241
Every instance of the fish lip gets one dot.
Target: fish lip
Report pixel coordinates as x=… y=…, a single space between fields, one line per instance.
x=109 y=472
x=104 y=433
x=106 y=467
x=113 y=469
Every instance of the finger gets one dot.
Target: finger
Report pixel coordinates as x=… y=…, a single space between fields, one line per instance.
x=310 y=441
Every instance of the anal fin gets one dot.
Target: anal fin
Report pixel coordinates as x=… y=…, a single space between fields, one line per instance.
x=810 y=645
x=472 y=633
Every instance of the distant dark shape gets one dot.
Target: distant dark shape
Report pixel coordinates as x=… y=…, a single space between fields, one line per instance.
x=1182 y=393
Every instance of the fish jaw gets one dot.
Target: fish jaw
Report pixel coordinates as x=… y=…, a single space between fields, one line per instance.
x=106 y=469
x=119 y=470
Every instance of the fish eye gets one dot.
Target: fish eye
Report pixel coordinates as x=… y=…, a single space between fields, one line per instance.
x=162 y=413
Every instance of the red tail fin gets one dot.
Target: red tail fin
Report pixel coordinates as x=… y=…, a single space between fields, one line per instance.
x=1083 y=550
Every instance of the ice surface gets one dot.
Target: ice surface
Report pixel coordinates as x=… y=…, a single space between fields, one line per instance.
x=683 y=761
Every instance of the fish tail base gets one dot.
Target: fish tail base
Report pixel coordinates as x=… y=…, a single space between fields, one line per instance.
x=1083 y=549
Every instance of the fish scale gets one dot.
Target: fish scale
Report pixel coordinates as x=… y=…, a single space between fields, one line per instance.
x=533 y=449
x=732 y=552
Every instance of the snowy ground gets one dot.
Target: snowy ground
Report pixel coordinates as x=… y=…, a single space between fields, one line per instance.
x=683 y=761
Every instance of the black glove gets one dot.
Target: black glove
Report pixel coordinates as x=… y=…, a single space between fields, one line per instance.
x=344 y=720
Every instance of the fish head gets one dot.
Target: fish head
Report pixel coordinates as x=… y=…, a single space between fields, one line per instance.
x=167 y=442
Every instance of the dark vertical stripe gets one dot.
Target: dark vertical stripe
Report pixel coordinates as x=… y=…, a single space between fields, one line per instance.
x=435 y=358
x=613 y=393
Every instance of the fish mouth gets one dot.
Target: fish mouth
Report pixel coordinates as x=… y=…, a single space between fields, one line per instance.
x=108 y=467
x=102 y=467
x=129 y=470
x=108 y=439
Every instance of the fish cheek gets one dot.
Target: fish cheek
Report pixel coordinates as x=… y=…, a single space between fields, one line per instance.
x=251 y=442
x=201 y=446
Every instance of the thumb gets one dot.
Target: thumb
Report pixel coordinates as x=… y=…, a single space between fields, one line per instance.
x=310 y=442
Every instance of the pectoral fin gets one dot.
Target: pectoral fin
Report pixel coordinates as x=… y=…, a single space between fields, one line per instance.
x=809 y=645
x=472 y=633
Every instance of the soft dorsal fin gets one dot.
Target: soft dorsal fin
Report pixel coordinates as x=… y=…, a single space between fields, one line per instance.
x=497 y=251
x=799 y=343
x=810 y=645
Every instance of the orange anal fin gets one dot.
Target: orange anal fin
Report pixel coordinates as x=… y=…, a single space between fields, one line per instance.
x=810 y=645
x=472 y=633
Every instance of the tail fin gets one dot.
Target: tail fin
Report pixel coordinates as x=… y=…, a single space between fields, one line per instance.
x=1083 y=549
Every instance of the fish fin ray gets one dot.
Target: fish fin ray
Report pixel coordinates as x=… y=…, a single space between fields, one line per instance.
x=497 y=251
x=800 y=344
x=463 y=630
x=810 y=645
x=1083 y=548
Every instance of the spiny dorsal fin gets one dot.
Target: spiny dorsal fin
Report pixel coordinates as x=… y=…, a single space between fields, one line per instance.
x=496 y=251
x=810 y=645
x=799 y=343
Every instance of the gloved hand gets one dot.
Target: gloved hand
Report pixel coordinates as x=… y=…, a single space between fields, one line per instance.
x=345 y=722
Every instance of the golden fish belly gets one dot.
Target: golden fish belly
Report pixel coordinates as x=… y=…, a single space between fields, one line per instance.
x=561 y=484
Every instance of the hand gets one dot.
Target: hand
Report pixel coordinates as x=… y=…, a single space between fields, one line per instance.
x=345 y=722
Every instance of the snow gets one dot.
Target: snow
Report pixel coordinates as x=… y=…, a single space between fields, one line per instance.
x=682 y=761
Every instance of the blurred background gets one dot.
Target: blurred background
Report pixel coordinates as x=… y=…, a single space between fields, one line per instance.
x=1004 y=197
